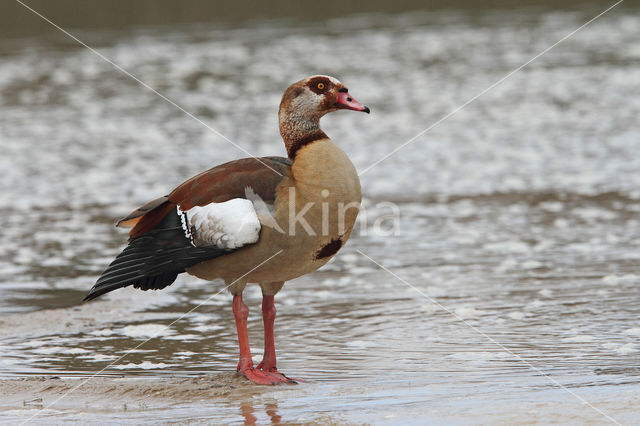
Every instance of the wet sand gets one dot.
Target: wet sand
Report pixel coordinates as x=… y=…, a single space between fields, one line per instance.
x=130 y=398
x=116 y=393
x=200 y=400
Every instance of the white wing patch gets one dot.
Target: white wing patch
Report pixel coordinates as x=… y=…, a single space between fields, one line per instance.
x=227 y=225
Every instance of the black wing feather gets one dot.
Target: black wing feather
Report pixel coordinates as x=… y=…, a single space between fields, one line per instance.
x=154 y=260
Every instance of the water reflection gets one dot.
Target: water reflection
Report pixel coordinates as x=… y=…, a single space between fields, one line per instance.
x=247 y=410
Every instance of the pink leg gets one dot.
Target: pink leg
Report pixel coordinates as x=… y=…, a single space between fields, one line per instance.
x=245 y=365
x=268 y=364
x=268 y=318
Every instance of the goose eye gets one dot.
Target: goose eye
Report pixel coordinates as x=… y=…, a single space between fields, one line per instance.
x=320 y=86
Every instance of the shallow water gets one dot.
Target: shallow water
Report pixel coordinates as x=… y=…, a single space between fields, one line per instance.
x=519 y=215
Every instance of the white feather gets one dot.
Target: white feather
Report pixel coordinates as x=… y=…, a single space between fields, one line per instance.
x=227 y=225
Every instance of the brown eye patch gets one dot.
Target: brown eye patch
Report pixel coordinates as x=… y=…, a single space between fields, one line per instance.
x=319 y=85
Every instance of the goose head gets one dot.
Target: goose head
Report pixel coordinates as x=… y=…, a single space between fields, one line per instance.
x=305 y=102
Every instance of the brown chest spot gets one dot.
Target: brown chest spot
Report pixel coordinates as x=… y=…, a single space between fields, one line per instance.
x=329 y=249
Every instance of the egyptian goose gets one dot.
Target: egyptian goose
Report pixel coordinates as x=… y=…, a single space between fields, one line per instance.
x=255 y=220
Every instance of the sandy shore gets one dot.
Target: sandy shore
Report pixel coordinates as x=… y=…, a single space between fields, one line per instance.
x=102 y=392
x=225 y=396
x=210 y=398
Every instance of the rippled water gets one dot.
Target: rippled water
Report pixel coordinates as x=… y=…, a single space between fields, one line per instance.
x=519 y=215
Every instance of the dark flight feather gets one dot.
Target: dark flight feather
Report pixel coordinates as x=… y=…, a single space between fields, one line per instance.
x=154 y=260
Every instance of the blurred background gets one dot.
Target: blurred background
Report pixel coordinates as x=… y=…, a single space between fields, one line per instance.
x=519 y=212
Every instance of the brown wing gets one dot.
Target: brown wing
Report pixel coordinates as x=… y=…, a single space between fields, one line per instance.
x=216 y=185
x=134 y=217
